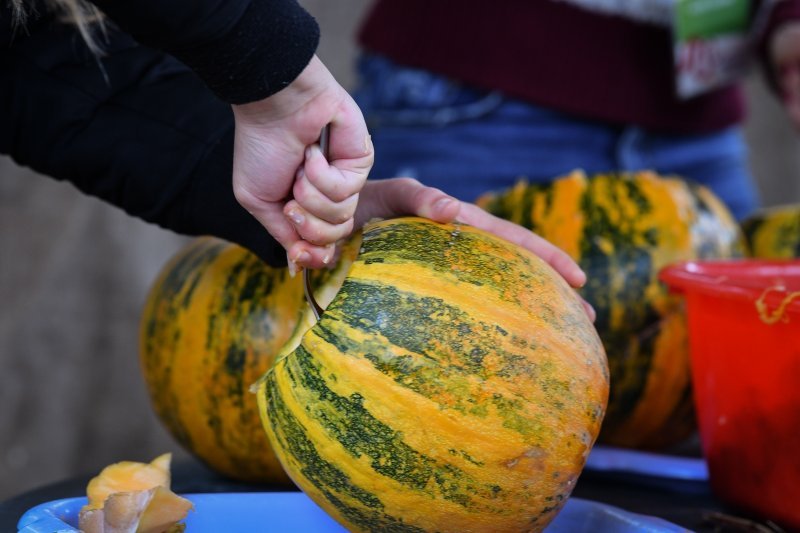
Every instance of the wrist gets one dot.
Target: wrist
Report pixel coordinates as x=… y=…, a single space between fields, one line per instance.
x=314 y=81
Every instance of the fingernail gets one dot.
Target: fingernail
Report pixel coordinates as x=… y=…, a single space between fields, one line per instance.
x=309 y=151
x=367 y=143
x=291 y=265
x=330 y=250
x=337 y=254
x=302 y=258
x=443 y=203
x=590 y=311
x=296 y=217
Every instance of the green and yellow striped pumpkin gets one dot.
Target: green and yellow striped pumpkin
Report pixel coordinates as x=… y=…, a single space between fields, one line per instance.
x=774 y=233
x=622 y=229
x=212 y=324
x=454 y=383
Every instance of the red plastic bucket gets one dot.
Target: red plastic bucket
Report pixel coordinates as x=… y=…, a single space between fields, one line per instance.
x=744 y=339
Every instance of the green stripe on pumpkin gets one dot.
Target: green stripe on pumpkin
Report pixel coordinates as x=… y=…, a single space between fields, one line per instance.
x=417 y=244
x=348 y=421
x=774 y=233
x=205 y=336
x=421 y=327
x=366 y=509
x=182 y=278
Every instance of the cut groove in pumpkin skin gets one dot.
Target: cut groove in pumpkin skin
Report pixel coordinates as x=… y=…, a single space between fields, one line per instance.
x=324 y=294
x=412 y=405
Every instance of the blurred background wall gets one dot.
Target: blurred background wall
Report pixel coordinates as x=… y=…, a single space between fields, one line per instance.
x=74 y=273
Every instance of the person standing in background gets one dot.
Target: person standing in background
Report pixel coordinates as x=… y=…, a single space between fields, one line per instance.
x=470 y=98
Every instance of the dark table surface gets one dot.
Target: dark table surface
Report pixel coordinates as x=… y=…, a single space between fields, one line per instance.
x=686 y=503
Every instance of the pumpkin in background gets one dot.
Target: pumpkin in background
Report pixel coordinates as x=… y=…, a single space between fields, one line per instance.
x=774 y=233
x=622 y=229
x=213 y=321
x=453 y=384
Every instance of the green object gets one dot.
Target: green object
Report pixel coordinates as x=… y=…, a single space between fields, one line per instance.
x=702 y=19
x=774 y=233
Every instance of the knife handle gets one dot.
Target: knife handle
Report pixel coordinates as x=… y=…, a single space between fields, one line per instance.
x=324 y=143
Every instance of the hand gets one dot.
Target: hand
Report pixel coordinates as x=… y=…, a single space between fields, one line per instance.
x=281 y=177
x=406 y=196
x=784 y=51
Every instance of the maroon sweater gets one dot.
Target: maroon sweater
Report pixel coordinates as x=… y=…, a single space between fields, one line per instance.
x=603 y=67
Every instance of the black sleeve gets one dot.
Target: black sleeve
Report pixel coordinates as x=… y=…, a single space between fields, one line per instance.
x=135 y=128
x=244 y=50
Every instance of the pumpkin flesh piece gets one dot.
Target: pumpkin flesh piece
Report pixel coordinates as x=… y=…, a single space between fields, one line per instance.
x=133 y=497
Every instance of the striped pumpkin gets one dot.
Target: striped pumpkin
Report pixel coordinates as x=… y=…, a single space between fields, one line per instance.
x=453 y=384
x=622 y=229
x=213 y=321
x=774 y=233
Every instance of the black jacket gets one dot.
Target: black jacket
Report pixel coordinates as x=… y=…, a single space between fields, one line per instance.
x=148 y=126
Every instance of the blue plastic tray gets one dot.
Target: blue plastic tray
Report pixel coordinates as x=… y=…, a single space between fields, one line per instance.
x=612 y=459
x=294 y=511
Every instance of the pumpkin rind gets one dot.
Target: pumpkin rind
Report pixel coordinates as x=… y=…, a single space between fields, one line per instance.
x=453 y=384
x=774 y=233
x=621 y=229
x=214 y=320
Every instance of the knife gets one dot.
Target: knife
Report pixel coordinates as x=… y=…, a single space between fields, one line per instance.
x=324 y=141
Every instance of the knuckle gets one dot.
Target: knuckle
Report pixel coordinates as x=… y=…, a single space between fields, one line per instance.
x=317 y=233
x=409 y=182
x=345 y=229
x=341 y=193
x=315 y=237
x=244 y=196
x=342 y=216
x=300 y=191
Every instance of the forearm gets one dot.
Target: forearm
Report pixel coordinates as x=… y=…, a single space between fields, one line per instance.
x=152 y=140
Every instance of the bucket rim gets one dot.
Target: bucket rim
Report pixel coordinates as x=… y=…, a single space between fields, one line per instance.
x=774 y=282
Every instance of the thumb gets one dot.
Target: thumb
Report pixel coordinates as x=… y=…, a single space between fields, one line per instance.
x=351 y=149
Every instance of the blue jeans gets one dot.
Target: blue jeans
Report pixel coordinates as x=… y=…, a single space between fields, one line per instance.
x=467 y=141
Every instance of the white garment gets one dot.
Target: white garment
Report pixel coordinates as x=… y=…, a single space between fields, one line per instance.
x=658 y=12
